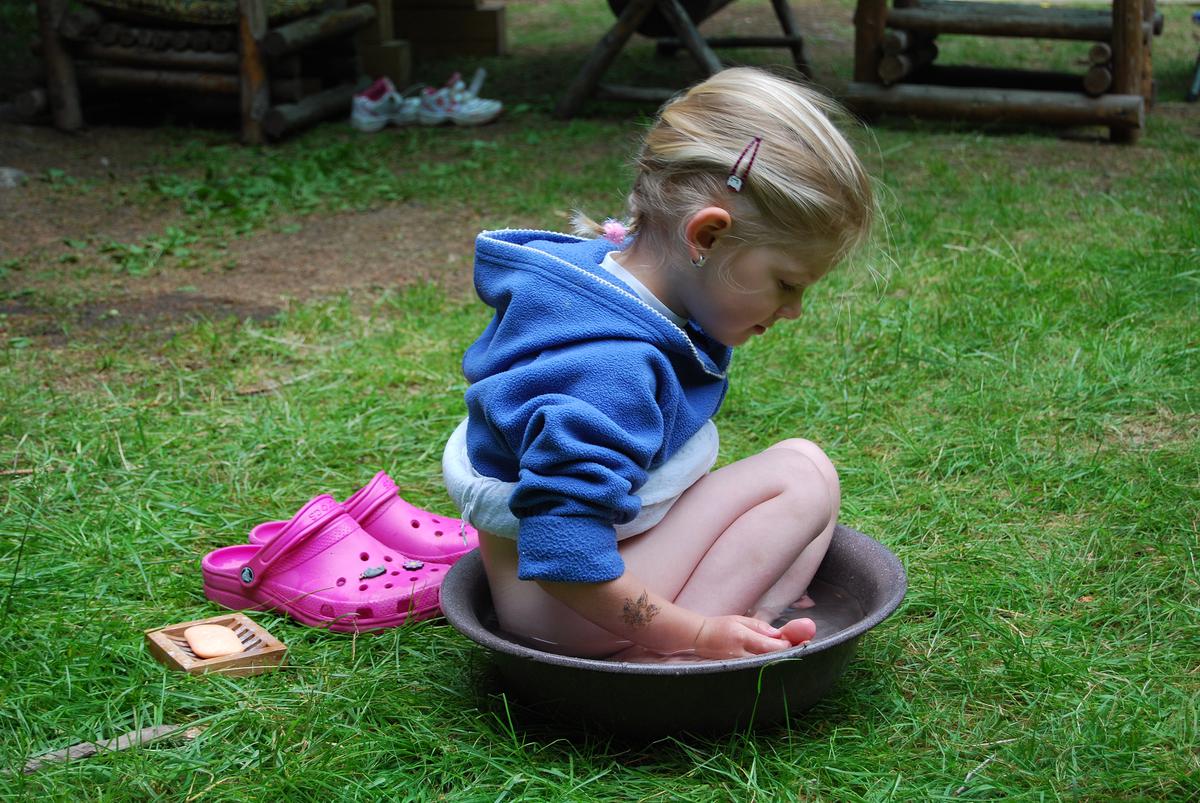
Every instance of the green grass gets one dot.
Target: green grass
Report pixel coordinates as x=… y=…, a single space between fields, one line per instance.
x=1008 y=385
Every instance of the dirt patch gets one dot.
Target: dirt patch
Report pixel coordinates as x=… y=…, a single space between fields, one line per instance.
x=75 y=190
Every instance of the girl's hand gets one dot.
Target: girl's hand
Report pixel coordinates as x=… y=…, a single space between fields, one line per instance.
x=740 y=636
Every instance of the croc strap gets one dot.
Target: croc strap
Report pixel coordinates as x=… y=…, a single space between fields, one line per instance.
x=378 y=492
x=312 y=518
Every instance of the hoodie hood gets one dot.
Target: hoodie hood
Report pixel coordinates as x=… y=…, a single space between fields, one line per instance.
x=534 y=277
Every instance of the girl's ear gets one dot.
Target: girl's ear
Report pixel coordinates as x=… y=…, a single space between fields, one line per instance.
x=705 y=227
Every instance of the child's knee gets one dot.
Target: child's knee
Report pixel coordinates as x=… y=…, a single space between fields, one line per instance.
x=824 y=466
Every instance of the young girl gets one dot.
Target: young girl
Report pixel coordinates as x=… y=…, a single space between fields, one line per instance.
x=584 y=461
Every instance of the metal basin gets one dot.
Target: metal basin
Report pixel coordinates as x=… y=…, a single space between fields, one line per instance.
x=858 y=585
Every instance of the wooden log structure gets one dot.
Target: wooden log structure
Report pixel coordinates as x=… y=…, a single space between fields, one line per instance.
x=314 y=73
x=296 y=35
x=991 y=104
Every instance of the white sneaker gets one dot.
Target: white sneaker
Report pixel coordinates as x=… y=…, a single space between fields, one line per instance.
x=457 y=103
x=380 y=104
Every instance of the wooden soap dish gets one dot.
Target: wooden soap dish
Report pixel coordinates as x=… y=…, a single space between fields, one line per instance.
x=262 y=651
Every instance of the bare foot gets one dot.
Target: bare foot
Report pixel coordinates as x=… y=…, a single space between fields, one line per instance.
x=805 y=601
x=799 y=631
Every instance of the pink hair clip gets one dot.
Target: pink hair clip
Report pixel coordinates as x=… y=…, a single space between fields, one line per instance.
x=615 y=231
x=734 y=182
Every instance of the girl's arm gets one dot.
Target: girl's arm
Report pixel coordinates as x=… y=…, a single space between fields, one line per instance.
x=626 y=608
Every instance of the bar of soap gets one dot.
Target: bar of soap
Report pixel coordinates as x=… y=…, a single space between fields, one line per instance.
x=212 y=641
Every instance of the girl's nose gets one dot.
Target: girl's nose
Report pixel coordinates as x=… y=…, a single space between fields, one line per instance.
x=790 y=310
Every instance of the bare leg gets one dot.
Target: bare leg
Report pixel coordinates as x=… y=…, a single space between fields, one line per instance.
x=800 y=574
x=746 y=536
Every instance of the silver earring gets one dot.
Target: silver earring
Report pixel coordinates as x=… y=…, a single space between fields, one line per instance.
x=699 y=261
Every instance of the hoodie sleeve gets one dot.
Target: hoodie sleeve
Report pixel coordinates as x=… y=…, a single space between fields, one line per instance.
x=585 y=424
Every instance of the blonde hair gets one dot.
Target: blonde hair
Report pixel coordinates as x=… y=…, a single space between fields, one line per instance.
x=806 y=189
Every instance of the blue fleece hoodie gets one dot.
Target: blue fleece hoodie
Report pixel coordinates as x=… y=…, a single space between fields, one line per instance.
x=578 y=388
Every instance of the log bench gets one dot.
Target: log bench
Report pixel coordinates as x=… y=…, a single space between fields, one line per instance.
x=896 y=48
x=286 y=73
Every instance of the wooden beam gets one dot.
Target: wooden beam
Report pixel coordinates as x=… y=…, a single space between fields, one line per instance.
x=1005 y=19
x=303 y=32
x=168 y=59
x=105 y=76
x=292 y=116
x=999 y=105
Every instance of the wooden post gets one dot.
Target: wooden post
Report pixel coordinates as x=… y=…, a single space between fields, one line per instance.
x=1149 y=16
x=870 y=17
x=1127 y=59
x=255 y=92
x=60 y=69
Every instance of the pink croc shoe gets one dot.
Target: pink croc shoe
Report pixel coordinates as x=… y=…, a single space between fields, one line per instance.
x=323 y=569
x=395 y=523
